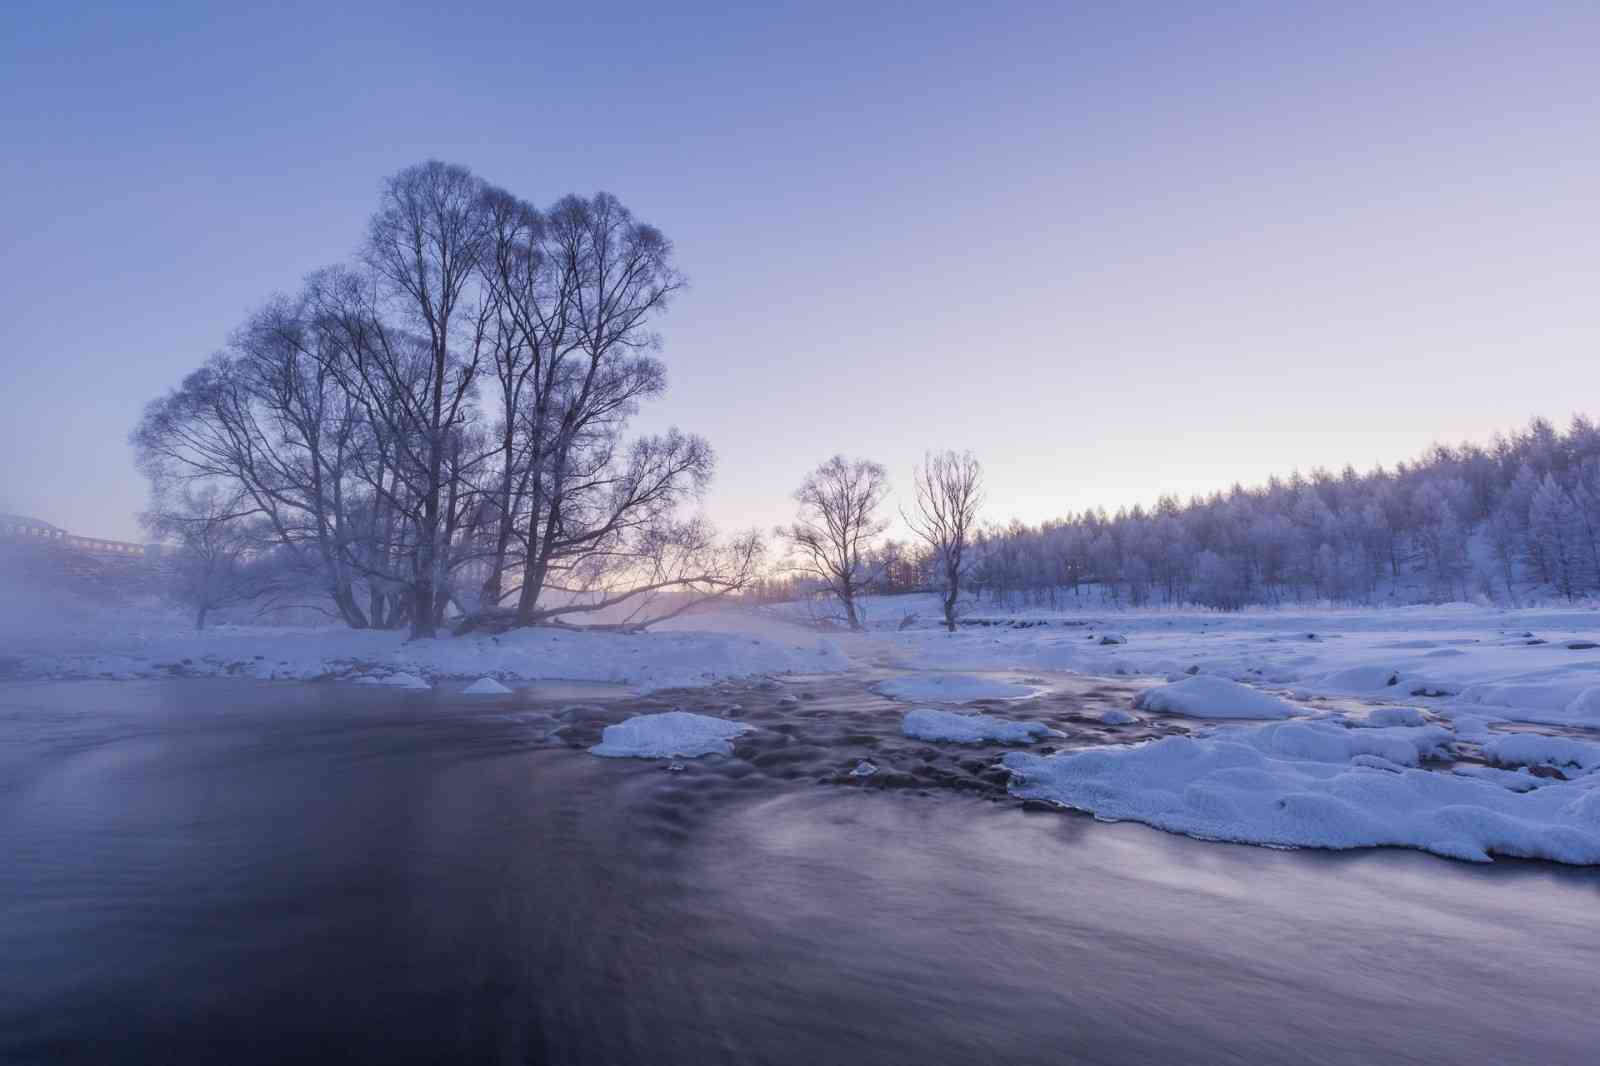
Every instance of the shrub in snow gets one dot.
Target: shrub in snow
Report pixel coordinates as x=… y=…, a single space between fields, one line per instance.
x=671 y=733
x=1204 y=696
x=926 y=723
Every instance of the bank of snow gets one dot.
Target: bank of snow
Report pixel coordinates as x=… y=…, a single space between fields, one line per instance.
x=927 y=723
x=669 y=734
x=1213 y=697
x=681 y=657
x=1322 y=785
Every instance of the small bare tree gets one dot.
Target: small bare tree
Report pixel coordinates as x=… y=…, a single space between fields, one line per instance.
x=215 y=562
x=837 y=523
x=949 y=490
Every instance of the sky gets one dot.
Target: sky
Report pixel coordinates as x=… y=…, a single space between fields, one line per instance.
x=1116 y=250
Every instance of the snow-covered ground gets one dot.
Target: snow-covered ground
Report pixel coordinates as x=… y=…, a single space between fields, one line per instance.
x=143 y=645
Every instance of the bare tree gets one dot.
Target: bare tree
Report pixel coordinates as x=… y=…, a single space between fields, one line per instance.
x=949 y=490
x=838 y=521
x=426 y=244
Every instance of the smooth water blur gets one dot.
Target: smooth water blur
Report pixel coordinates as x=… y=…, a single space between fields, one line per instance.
x=239 y=872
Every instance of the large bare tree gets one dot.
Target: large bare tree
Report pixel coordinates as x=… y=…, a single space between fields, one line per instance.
x=948 y=490
x=425 y=247
x=838 y=520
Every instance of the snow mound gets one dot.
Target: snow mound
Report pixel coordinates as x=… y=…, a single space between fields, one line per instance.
x=1534 y=749
x=402 y=681
x=926 y=723
x=486 y=686
x=1284 y=785
x=953 y=688
x=670 y=733
x=1389 y=716
x=1213 y=697
x=1367 y=677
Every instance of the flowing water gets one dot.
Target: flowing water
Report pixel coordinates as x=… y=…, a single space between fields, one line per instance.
x=238 y=872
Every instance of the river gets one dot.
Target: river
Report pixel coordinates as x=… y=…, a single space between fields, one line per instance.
x=241 y=872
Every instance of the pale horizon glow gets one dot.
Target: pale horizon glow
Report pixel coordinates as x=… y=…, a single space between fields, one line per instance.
x=1115 y=253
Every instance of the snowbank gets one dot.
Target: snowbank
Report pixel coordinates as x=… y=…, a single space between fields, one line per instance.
x=1318 y=784
x=1213 y=697
x=671 y=733
x=486 y=686
x=953 y=688
x=926 y=723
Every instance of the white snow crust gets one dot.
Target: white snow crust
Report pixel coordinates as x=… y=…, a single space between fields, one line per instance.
x=1319 y=784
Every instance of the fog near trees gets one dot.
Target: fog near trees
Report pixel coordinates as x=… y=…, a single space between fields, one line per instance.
x=439 y=428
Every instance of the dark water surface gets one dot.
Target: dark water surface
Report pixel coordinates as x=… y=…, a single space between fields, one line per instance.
x=229 y=872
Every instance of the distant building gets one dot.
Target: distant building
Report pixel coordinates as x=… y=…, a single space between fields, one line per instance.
x=22 y=529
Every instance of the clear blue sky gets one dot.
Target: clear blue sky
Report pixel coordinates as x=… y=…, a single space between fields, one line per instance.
x=1116 y=249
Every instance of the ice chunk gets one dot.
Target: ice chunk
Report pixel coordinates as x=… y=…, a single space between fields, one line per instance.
x=1117 y=716
x=926 y=723
x=670 y=733
x=486 y=686
x=1213 y=697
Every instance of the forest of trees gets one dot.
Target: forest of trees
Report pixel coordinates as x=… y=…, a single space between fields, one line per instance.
x=438 y=428
x=1519 y=516
x=1459 y=523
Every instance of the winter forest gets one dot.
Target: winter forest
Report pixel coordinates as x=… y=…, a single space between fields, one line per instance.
x=436 y=432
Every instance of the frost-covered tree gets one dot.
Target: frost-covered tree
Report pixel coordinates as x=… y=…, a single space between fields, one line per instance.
x=1556 y=525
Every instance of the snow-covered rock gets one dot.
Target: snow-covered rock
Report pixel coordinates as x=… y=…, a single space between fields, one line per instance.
x=1317 y=784
x=670 y=733
x=1390 y=716
x=927 y=723
x=486 y=686
x=953 y=688
x=1533 y=749
x=1213 y=697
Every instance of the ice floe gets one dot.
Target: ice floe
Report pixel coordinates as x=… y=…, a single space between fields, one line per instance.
x=670 y=733
x=927 y=723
